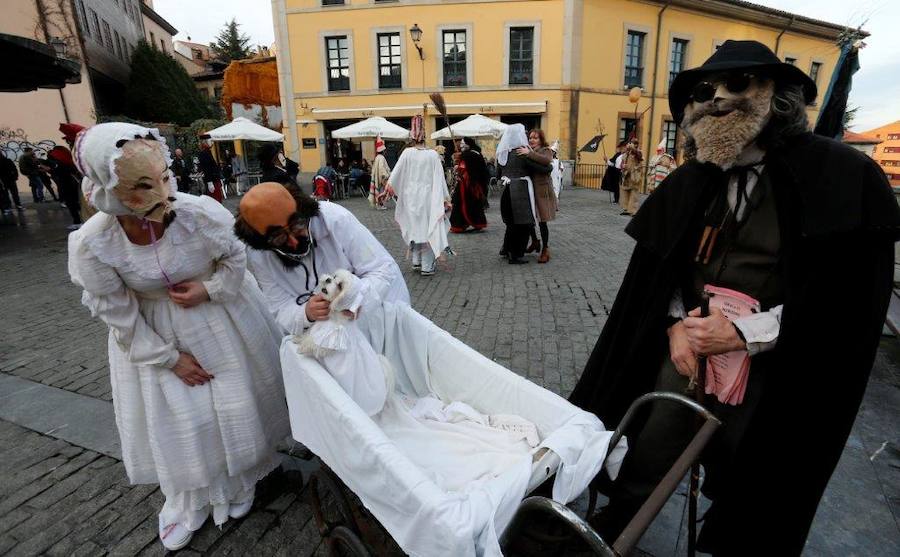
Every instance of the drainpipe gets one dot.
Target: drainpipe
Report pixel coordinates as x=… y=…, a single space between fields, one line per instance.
x=659 y=18
x=778 y=40
x=42 y=17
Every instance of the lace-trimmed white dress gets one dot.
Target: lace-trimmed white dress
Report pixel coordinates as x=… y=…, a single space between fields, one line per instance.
x=205 y=445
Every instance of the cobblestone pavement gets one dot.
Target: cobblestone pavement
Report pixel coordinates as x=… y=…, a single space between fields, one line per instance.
x=539 y=320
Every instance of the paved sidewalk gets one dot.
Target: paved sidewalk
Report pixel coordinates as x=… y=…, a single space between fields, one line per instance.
x=62 y=493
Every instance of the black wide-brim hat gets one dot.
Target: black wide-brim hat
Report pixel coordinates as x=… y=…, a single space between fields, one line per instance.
x=751 y=56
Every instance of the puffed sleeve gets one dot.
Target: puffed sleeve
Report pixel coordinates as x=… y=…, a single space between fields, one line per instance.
x=115 y=304
x=216 y=225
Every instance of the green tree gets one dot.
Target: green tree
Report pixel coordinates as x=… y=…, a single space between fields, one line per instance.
x=160 y=90
x=849 y=115
x=230 y=43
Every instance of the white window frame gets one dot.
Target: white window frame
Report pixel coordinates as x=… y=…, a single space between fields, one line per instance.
x=439 y=49
x=323 y=56
x=536 y=52
x=687 y=53
x=373 y=43
x=648 y=40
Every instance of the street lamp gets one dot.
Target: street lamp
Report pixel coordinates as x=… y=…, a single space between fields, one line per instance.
x=415 y=33
x=60 y=46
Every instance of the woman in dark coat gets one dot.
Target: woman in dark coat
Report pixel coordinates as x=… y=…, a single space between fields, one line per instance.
x=469 y=194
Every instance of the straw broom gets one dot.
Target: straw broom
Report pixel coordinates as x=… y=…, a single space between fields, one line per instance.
x=438 y=100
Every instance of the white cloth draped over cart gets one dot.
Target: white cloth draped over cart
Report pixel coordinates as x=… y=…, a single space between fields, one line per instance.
x=418 y=179
x=205 y=445
x=440 y=489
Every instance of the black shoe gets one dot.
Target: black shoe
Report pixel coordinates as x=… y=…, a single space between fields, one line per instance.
x=503 y=253
x=517 y=261
x=624 y=213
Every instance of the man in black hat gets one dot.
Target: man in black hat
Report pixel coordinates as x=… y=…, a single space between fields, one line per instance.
x=801 y=224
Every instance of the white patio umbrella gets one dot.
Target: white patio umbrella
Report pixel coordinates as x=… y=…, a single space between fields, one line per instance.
x=243 y=129
x=475 y=125
x=371 y=127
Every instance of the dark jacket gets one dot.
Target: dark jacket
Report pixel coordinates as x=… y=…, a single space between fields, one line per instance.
x=838 y=220
x=612 y=177
x=8 y=172
x=209 y=167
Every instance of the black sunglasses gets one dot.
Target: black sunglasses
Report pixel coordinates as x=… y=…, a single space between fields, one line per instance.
x=278 y=237
x=734 y=82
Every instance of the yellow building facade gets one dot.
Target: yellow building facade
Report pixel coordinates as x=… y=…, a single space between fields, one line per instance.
x=887 y=153
x=565 y=66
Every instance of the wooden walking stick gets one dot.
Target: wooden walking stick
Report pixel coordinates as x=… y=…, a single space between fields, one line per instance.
x=694 y=484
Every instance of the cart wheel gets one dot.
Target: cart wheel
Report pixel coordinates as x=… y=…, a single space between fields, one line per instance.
x=344 y=543
x=325 y=488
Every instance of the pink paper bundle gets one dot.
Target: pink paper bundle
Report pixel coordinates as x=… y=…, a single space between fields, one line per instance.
x=726 y=374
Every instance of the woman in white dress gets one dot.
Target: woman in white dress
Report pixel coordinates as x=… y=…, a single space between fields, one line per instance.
x=193 y=351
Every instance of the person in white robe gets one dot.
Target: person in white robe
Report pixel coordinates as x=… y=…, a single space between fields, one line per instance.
x=418 y=182
x=295 y=240
x=193 y=351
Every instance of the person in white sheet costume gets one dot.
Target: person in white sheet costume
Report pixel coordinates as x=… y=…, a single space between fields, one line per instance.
x=295 y=240
x=422 y=197
x=193 y=351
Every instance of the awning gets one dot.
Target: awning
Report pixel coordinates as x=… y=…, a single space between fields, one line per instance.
x=537 y=107
x=29 y=65
x=243 y=129
x=371 y=127
x=475 y=125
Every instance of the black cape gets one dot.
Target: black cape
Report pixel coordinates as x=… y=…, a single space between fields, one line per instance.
x=839 y=221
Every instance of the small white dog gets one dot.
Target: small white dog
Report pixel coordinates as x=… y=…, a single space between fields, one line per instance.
x=342 y=349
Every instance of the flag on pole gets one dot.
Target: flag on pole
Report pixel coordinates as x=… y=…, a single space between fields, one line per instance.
x=834 y=104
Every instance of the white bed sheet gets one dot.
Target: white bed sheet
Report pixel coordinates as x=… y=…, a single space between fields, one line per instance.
x=425 y=519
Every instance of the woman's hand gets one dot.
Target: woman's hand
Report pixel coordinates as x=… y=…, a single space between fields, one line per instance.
x=680 y=352
x=317 y=308
x=189 y=294
x=189 y=371
x=712 y=335
x=523 y=151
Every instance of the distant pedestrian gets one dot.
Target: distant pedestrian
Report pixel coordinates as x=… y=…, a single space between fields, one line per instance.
x=661 y=165
x=544 y=197
x=239 y=173
x=9 y=177
x=631 y=164
x=68 y=181
x=212 y=176
x=29 y=167
x=274 y=166
x=181 y=171
x=418 y=183
x=468 y=197
x=612 y=178
x=379 y=175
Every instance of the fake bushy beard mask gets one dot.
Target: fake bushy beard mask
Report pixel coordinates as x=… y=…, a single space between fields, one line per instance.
x=724 y=126
x=144 y=186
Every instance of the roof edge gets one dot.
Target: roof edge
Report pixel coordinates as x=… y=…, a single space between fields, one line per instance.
x=764 y=15
x=158 y=19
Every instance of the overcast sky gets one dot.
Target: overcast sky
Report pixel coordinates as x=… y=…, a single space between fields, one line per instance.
x=876 y=87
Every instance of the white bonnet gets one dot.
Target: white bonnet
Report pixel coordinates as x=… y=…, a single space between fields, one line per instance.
x=96 y=152
x=513 y=137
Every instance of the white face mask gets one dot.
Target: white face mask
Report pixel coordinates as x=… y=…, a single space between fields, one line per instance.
x=144 y=186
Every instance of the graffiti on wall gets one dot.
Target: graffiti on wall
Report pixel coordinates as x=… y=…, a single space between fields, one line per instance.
x=13 y=143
